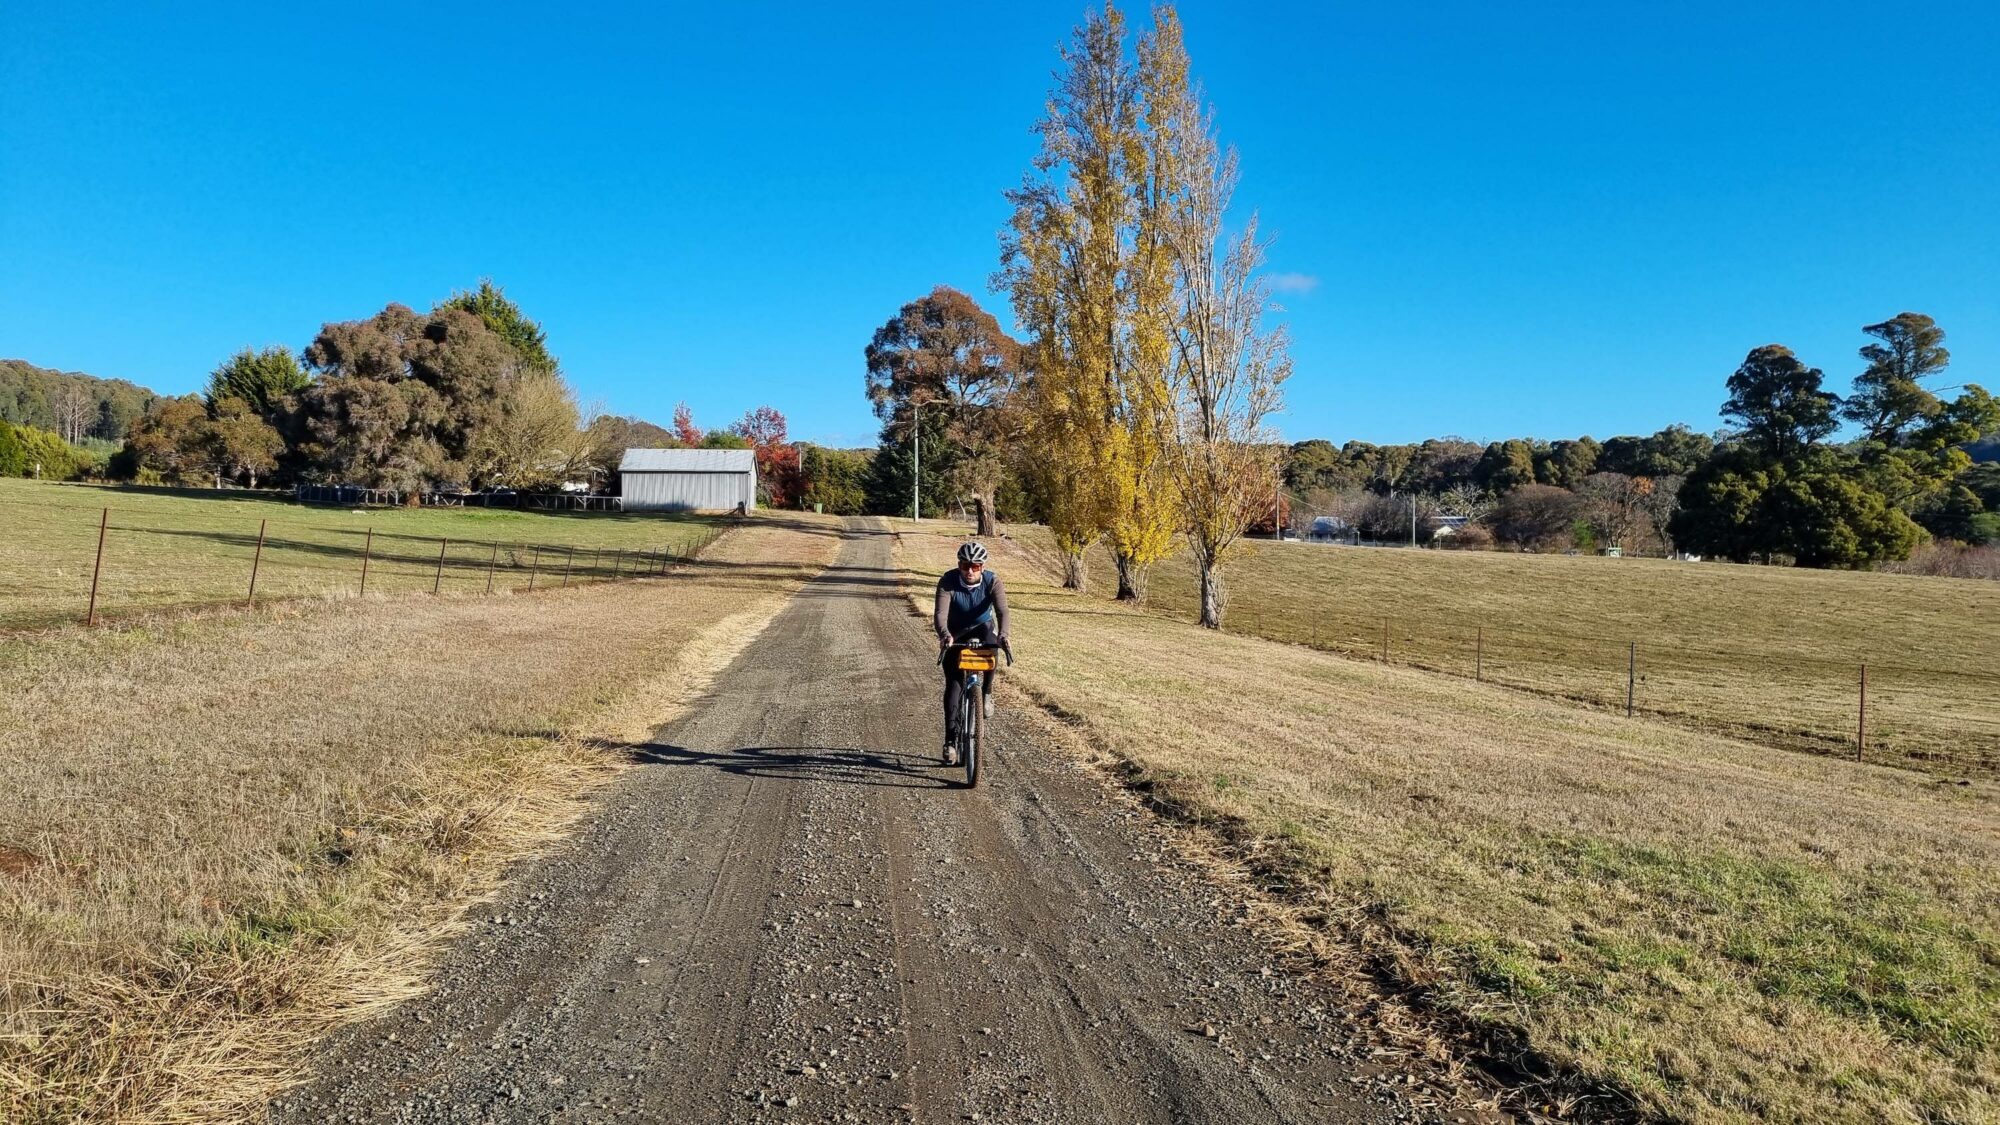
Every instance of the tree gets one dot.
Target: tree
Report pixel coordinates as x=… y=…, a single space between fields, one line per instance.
x=1314 y=464
x=777 y=459
x=1889 y=396
x=532 y=443
x=1505 y=466
x=504 y=319
x=1536 y=517
x=12 y=463
x=1614 y=505
x=75 y=410
x=235 y=442
x=943 y=348
x=723 y=439
x=402 y=397
x=1811 y=508
x=685 y=431
x=890 y=479
x=834 y=480
x=1660 y=499
x=610 y=435
x=262 y=380
x=1229 y=370
x=1440 y=464
x=1779 y=404
x=168 y=440
x=1566 y=464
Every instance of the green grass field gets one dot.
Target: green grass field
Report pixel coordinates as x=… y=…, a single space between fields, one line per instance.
x=168 y=549
x=1767 y=653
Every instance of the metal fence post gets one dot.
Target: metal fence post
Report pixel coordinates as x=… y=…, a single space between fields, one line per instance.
x=490 y=561
x=663 y=562
x=596 y=559
x=256 y=560
x=618 y=564
x=1479 y=654
x=569 y=556
x=1861 y=728
x=1631 y=675
x=437 y=583
x=97 y=568
x=534 y=568
x=367 y=551
x=1385 y=640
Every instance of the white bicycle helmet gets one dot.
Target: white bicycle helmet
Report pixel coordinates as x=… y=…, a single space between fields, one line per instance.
x=971 y=553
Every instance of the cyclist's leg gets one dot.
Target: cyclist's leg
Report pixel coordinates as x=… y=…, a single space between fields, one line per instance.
x=954 y=695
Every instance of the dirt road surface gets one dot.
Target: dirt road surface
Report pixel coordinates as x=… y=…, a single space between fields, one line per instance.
x=790 y=913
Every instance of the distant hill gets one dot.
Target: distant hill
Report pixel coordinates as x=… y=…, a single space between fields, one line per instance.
x=1985 y=449
x=69 y=403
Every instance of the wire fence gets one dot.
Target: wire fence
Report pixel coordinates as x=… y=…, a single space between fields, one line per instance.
x=1943 y=719
x=135 y=564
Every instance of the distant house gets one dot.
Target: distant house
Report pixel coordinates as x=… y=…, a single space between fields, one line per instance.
x=1326 y=528
x=688 y=480
x=1448 y=526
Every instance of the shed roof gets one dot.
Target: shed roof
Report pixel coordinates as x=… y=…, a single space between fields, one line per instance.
x=688 y=461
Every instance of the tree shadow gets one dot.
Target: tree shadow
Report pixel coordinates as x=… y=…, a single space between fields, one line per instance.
x=843 y=765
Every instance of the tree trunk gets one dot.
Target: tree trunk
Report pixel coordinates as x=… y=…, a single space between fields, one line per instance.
x=1211 y=593
x=987 y=526
x=1131 y=578
x=1073 y=572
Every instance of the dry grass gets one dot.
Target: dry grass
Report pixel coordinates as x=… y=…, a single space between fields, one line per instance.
x=230 y=833
x=167 y=549
x=1683 y=925
x=1770 y=654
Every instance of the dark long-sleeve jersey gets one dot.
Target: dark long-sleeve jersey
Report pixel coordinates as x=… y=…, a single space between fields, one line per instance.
x=961 y=607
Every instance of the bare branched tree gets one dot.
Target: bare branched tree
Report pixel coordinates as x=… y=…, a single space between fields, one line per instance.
x=1229 y=369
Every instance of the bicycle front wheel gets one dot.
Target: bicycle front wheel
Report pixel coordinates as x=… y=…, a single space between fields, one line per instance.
x=975 y=732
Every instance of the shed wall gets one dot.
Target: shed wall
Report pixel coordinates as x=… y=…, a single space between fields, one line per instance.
x=666 y=491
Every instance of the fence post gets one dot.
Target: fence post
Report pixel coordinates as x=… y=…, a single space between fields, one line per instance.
x=490 y=560
x=663 y=563
x=1631 y=675
x=1861 y=729
x=256 y=560
x=596 y=559
x=1479 y=654
x=437 y=583
x=618 y=564
x=569 y=556
x=367 y=550
x=1385 y=640
x=97 y=568
x=534 y=568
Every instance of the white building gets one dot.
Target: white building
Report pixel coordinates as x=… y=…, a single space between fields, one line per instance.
x=688 y=480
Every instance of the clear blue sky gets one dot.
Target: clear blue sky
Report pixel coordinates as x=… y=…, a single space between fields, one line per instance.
x=1502 y=220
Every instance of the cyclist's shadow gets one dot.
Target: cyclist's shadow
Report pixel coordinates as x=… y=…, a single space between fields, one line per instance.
x=845 y=765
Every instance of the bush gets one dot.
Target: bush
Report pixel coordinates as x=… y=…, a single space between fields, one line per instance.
x=1471 y=537
x=1946 y=558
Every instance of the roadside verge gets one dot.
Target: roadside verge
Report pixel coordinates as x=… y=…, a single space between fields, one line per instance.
x=1619 y=919
x=223 y=836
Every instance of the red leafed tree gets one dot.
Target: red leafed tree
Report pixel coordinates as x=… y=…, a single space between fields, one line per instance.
x=685 y=430
x=777 y=457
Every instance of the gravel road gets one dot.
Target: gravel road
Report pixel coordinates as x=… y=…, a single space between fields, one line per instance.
x=790 y=913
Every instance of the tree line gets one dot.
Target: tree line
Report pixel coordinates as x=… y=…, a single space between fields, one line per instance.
x=466 y=396
x=1773 y=485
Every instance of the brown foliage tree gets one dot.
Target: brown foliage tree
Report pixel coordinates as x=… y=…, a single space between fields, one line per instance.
x=401 y=397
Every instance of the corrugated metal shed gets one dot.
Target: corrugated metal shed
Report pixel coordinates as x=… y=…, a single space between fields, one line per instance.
x=680 y=480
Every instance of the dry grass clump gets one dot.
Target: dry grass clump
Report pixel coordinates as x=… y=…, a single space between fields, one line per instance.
x=231 y=833
x=1771 y=654
x=1696 y=927
x=167 y=550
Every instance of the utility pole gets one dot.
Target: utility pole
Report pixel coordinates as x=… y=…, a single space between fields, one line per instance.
x=917 y=458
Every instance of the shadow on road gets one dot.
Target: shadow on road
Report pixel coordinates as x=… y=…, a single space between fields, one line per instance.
x=821 y=763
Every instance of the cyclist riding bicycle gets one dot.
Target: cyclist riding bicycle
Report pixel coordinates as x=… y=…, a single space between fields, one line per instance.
x=971 y=608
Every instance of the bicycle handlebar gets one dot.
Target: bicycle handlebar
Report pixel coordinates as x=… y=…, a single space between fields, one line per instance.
x=959 y=646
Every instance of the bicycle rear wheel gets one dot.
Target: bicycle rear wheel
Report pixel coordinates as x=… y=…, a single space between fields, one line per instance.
x=975 y=732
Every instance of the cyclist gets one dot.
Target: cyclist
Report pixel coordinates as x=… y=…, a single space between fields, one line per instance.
x=971 y=609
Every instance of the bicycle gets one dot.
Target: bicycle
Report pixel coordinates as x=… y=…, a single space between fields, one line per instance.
x=976 y=663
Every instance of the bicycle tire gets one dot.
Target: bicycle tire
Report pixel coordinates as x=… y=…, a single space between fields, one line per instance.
x=975 y=728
